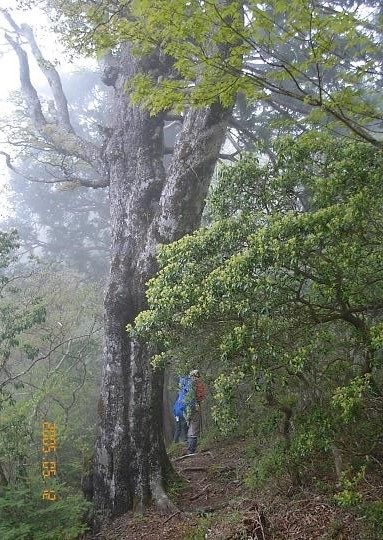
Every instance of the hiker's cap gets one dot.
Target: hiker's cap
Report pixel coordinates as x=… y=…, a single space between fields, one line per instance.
x=194 y=373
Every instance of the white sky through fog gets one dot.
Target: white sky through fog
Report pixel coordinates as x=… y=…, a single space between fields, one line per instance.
x=9 y=72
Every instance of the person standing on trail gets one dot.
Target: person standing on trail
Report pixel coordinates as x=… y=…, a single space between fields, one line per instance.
x=195 y=395
x=179 y=408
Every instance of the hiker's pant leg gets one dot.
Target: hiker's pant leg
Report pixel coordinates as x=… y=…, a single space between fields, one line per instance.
x=177 y=432
x=181 y=429
x=193 y=432
x=192 y=445
x=184 y=429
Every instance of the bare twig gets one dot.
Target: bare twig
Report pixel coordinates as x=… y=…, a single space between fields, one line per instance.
x=172 y=516
x=197 y=495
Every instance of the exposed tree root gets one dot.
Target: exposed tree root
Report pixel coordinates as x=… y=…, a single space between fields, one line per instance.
x=194 y=469
x=161 y=500
x=183 y=457
x=186 y=456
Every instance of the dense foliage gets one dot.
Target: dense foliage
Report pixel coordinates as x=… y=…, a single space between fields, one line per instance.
x=281 y=300
x=322 y=60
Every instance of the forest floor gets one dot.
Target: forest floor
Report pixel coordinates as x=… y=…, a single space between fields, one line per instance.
x=215 y=504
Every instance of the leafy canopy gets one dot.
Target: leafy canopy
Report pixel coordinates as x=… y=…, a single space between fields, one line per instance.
x=323 y=59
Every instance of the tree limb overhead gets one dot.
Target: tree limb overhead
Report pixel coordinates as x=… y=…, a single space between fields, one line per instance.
x=61 y=134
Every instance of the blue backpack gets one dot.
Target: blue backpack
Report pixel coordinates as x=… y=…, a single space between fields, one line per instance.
x=180 y=403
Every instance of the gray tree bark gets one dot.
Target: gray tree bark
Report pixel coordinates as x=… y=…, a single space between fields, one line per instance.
x=168 y=421
x=148 y=207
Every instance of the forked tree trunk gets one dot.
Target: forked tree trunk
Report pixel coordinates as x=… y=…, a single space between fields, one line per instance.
x=147 y=207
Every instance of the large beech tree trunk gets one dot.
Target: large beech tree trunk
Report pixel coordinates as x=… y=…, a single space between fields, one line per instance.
x=148 y=207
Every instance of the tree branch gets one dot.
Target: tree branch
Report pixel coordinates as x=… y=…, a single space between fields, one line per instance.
x=60 y=135
x=70 y=181
x=52 y=77
x=28 y=91
x=229 y=157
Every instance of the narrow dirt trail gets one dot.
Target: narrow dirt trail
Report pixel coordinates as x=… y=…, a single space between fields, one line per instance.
x=211 y=482
x=215 y=504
